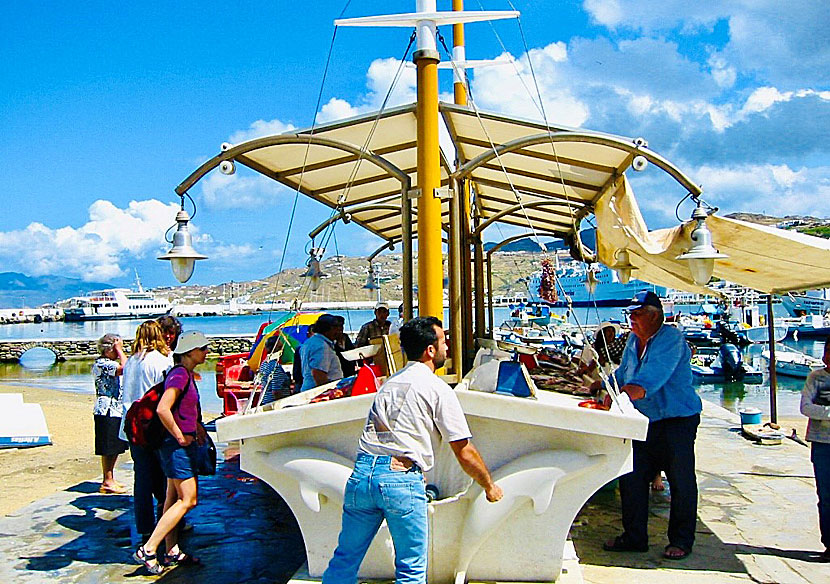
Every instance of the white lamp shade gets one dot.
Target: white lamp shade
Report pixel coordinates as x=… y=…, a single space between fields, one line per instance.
x=182 y=256
x=624 y=274
x=182 y=268
x=701 y=269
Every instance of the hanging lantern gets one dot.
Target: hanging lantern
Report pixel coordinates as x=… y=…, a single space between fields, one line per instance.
x=623 y=266
x=314 y=270
x=182 y=256
x=702 y=255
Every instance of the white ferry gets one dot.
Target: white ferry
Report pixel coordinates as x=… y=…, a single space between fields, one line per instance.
x=116 y=303
x=609 y=291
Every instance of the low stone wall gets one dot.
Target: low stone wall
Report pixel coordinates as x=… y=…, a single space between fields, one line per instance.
x=65 y=349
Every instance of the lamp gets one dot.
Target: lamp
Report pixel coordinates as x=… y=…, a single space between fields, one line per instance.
x=371 y=282
x=591 y=281
x=702 y=254
x=182 y=256
x=314 y=271
x=623 y=266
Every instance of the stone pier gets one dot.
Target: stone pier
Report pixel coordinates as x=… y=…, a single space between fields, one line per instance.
x=65 y=349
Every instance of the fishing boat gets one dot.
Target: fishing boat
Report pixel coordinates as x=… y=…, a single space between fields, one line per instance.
x=793 y=363
x=385 y=171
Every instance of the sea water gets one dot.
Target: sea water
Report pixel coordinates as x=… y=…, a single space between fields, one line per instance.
x=37 y=367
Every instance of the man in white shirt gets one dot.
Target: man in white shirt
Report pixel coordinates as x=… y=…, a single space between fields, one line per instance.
x=411 y=410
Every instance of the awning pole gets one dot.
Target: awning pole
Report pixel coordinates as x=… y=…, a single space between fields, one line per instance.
x=773 y=380
x=455 y=252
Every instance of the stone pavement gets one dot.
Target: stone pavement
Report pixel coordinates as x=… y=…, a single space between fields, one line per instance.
x=757 y=518
x=243 y=533
x=757 y=522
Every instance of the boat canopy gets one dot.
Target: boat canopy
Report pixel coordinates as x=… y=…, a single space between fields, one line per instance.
x=544 y=178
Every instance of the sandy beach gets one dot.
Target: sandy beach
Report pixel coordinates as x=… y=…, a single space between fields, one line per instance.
x=29 y=474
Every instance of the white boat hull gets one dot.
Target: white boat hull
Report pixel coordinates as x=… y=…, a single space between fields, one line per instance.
x=22 y=425
x=549 y=456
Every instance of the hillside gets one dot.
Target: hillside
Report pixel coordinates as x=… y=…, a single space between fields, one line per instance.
x=346 y=276
x=18 y=290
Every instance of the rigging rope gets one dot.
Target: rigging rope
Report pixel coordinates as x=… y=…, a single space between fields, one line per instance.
x=305 y=162
x=613 y=391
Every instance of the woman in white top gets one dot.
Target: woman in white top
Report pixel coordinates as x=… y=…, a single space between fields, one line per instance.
x=145 y=368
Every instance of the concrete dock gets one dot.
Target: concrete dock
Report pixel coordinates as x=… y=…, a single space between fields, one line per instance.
x=757 y=522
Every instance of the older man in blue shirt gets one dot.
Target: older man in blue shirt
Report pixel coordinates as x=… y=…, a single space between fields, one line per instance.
x=656 y=374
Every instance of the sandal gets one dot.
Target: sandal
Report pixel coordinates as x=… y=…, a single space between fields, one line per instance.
x=149 y=560
x=181 y=559
x=675 y=552
x=621 y=544
x=114 y=490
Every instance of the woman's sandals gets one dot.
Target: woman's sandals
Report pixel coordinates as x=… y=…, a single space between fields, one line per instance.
x=149 y=560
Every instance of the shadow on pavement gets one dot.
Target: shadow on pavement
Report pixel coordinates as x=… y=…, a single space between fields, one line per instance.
x=599 y=520
x=243 y=533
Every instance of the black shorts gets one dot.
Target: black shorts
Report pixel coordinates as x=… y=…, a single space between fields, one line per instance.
x=107 y=442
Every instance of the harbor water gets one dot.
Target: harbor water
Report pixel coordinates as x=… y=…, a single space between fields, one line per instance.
x=37 y=367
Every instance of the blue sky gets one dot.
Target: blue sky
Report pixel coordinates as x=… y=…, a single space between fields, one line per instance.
x=105 y=107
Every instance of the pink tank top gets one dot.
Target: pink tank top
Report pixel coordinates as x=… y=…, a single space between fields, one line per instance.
x=186 y=414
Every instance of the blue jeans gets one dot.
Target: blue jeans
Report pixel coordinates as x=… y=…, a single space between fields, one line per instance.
x=148 y=482
x=374 y=492
x=820 y=455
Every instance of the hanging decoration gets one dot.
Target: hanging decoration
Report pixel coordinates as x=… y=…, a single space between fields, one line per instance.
x=547 y=283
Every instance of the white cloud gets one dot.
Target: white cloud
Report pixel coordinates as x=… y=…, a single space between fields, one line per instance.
x=775 y=189
x=337 y=109
x=510 y=89
x=242 y=190
x=651 y=15
x=101 y=249
x=379 y=78
x=260 y=128
x=608 y=13
x=782 y=44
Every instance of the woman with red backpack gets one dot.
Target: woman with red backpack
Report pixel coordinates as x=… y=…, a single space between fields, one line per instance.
x=180 y=413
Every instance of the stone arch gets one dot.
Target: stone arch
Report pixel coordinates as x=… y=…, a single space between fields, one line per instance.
x=45 y=345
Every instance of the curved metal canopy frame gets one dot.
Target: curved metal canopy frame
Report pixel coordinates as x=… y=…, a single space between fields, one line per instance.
x=581 y=137
x=237 y=153
x=518 y=207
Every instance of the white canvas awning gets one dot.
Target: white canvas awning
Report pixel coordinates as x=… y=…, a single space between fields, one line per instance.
x=522 y=173
x=762 y=258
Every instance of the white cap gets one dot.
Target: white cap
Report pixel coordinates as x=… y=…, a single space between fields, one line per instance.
x=189 y=341
x=381 y=305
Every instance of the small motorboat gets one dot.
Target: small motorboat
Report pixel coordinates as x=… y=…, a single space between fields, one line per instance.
x=724 y=367
x=760 y=334
x=793 y=363
x=22 y=425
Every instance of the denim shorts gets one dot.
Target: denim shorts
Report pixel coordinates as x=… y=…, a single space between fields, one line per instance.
x=177 y=462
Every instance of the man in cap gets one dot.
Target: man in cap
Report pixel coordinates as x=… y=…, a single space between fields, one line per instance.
x=656 y=374
x=318 y=357
x=413 y=410
x=375 y=328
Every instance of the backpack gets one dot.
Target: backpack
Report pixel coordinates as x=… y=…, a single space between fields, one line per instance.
x=141 y=422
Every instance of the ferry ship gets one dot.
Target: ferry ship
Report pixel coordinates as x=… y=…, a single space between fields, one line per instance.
x=610 y=290
x=115 y=303
x=810 y=302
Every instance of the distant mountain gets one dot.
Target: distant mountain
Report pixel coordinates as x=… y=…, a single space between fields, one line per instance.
x=18 y=290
